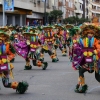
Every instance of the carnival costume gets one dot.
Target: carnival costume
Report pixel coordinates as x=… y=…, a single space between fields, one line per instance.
x=9 y=48
x=47 y=44
x=85 y=56
x=60 y=38
x=6 y=67
x=29 y=48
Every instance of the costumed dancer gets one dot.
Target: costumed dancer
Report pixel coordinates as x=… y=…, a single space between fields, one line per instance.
x=60 y=36
x=47 y=46
x=6 y=68
x=29 y=48
x=85 y=56
x=9 y=48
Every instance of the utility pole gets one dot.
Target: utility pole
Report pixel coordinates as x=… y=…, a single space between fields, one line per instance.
x=3 y=12
x=45 y=12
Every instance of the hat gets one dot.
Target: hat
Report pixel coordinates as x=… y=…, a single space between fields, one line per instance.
x=68 y=26
x=47 y=27
x=4 y=29
x=59 y=26
x=90 y=29
x=3 y=34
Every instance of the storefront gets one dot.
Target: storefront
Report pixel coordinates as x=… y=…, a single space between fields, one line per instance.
x=34 y=19
x=17 y=17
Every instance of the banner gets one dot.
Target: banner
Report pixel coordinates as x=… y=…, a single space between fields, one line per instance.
x=43 y=0
x=9 y=5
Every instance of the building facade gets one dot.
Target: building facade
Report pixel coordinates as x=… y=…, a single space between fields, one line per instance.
x=92 y=8
x=25 y=12
x=78 y=8
x=70 y=8
x=38 y=10
x=18 y=16
x=67 y=7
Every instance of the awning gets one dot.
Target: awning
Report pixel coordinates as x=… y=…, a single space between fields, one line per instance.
x=18 y=11
x=35 y=15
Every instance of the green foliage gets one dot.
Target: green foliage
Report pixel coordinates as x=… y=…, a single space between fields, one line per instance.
x=55 y=14
x=75 y=20
x=47 y=14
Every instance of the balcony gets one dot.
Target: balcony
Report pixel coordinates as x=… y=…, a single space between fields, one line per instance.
x=78 y=11
x=81 y=1
x=95 y=11
x=96 y=3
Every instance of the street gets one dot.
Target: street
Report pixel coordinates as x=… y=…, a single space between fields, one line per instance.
x=55 y=83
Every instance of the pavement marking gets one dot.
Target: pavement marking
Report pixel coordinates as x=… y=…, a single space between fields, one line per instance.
x=93 y=89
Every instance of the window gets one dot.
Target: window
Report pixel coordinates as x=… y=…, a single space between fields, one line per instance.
x=81 y=6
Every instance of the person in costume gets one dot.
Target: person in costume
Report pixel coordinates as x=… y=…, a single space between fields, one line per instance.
x=47 y=46
x=6 y=68
x=29 y=49
x=85 y=56
x=59 y=37
x=9 y=48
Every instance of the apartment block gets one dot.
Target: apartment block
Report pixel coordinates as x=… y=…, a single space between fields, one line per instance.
x=67 y=7
x=92 y=8
x=62 y=7
x=78 y=8
x=70 y=8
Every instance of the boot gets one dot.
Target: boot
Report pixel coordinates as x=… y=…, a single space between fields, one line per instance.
x=44 y=65
x=28 y=66
x=20 y=87
x=81 y=87
x=54 y=58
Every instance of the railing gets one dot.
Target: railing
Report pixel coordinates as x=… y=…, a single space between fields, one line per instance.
x=95 y=10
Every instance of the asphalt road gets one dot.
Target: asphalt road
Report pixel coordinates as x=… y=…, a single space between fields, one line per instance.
x=55 y=83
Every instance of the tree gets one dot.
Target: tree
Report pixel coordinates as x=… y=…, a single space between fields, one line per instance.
x=55 y=14
x=75 y=20
x=71 y=20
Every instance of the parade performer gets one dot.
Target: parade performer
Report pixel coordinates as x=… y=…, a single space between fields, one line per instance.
x=29 y=48
x=9 y=48
x=85 y=55
x=6 y=68
x=68 y=39
x=60 y=37
x=47 y=45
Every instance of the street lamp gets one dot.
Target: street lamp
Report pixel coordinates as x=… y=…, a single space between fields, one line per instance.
x=45 y=12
